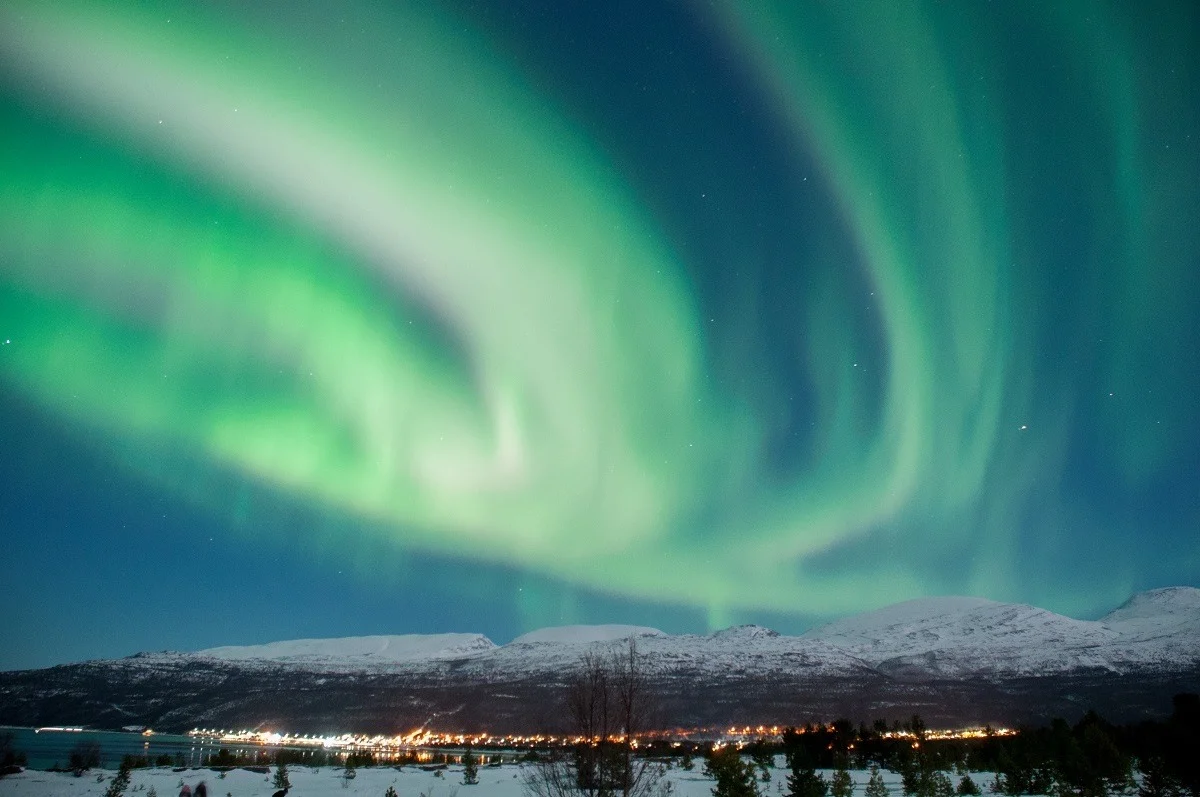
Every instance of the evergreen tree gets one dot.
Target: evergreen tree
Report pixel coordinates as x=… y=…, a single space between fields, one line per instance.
x=391 y=792
x=804 y=780
x=734 y=776
x=120 y=783
x=1182 y=742
x=470 y=768
x=281 y=774
x=1086 y=761
x=764 y=759
x=841 y=784
x=875 y=785
x=967 y=787
x=912 y=778
x=939 y=785
x=1156 y=781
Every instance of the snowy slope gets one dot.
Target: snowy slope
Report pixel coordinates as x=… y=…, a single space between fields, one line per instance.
x=1160 y=627
x=743 y=650
x=499 y=781
x=1158 y=613
x=958 y=636
x=961 y=636
x=365 y=651
x=944 y=637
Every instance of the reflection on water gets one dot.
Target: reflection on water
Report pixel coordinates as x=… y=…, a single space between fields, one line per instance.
x=47 y=749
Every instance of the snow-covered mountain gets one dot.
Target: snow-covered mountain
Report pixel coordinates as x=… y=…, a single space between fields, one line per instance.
x=944 y=637
x=960 y=636
x=956 y=636
x=951 y=659
x=739 y=650
x=1157 y=614
x=358 y=651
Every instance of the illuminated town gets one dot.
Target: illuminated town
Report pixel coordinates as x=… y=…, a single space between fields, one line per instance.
x=739 y=736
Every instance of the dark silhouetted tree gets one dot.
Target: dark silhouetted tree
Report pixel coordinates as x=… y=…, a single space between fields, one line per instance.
x=470 y=768
x=734 y=775
x=1157 y=781
x=804 y=780
x=281 y=781
x=119 y=783
x=84 y=756
x=875 y=785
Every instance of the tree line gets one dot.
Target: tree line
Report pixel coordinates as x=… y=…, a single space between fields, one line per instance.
x=609 y=704
x=1092 y=758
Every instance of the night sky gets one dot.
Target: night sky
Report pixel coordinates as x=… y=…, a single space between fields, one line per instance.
x=328 y=319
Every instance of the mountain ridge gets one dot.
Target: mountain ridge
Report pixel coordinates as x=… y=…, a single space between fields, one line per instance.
x=953 y=660
x=944 y=635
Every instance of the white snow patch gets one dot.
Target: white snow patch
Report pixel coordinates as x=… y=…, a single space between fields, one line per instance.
x=402 y=648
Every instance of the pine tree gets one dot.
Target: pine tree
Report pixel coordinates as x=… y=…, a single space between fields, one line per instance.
x=120 y=783
x=764 y=759
x=1156 y=781
x=841 y=785
x=912 y=779
x=875 y=785
x=391 y=792
x=804 y=780
x=735 y=777
x=281 y=774
x=470 y=768
x=967 y=787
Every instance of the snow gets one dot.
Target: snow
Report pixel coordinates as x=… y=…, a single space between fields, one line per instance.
x=941 y=637
x=585 y=634
x=366 y=649
x=1156 y=611
x=962 y=635
x=745 y=633
x=502 y=781
x=913 y=611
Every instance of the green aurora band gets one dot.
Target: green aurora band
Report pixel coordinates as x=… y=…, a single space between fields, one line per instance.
x=431 y=303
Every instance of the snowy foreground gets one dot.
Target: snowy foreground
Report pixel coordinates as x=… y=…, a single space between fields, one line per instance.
x=502 y=781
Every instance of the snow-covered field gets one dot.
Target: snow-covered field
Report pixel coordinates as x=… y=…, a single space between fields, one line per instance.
x=502 y=781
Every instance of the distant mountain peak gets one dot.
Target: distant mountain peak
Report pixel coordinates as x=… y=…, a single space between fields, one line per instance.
x=749 y=631
x=1156 y=602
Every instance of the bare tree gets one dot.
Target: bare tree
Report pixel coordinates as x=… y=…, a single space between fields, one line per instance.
x=608 y=704
x=589 y=705
x=632 y=699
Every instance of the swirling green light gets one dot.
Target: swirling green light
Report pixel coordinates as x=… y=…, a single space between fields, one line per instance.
x=384 y=274
x=576 y=383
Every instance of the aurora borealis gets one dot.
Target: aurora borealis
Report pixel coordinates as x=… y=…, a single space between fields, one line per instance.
x=358 y=318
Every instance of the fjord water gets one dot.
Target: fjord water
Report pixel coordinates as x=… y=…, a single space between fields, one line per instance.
x=45 y=748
